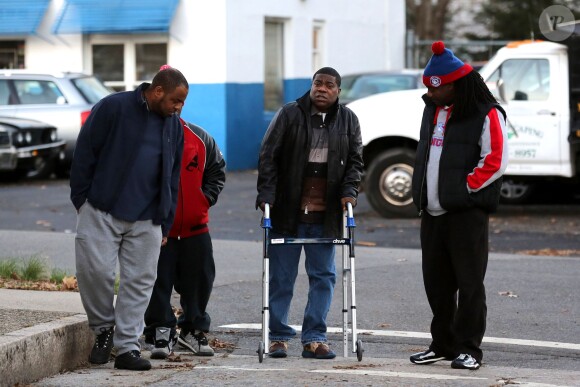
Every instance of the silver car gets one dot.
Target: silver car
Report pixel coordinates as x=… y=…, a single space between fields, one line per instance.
x=63 y=100
x=356 y=86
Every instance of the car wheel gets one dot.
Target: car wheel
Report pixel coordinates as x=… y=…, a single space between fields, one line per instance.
x=388 y=183
x=516 y=192
x=42 y=168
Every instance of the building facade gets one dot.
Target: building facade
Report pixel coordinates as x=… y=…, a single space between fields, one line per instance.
x=242 y=58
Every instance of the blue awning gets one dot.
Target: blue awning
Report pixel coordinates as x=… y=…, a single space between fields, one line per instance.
x=115 y=16
x=21 y=17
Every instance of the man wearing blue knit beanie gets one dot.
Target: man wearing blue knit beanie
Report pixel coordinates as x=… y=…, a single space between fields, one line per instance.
x=461 y=157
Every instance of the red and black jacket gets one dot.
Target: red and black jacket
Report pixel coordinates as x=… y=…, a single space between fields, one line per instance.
x=202 y=179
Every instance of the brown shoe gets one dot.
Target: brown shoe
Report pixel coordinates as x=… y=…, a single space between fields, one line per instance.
x=278 y=349
x=318 y=351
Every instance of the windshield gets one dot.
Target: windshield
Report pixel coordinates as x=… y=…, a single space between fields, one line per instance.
x=354 y=87
x=91 y=88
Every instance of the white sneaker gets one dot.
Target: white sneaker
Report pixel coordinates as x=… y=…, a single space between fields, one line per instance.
x=196 y=343
x=164 y=342
x=465 y=362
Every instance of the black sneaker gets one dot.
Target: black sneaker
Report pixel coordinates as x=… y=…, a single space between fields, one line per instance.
x=465 y=362
x=101 y=352
x=164 y=342
x=426 y=357
x=133 y=361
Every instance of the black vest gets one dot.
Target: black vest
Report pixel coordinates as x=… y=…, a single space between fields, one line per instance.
x=461 y=154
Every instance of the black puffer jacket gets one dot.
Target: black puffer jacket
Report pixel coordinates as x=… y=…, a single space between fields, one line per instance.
x=284 y=155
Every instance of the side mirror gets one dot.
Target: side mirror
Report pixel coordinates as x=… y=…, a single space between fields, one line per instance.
x=501 y=90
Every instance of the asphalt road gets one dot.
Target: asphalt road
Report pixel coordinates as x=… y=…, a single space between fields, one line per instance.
x=533 y=308
x=550 y=225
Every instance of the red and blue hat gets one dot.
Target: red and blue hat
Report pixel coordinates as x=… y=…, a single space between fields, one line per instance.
x=443 y=67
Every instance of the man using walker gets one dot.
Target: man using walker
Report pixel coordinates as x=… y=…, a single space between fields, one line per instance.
x=310 y=166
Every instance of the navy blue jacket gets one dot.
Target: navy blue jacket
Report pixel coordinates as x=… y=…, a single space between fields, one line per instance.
x=106 y=149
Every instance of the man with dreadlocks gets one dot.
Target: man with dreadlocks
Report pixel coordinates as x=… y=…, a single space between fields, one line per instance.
x=461 y=157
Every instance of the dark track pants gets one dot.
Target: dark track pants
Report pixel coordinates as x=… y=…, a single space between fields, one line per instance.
x=188 y=265
x=455 y=254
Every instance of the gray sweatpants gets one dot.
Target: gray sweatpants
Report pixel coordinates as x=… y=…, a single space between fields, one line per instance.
x=102 y=239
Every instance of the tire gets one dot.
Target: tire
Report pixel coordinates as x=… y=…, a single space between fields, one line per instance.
x=260 y=351
x=43 y=168
x=388 y=183
x=516 y=191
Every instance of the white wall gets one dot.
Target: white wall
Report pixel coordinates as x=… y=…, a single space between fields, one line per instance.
x=221 y=41
x=47 y=52
x=198 y=40
x=359 y=35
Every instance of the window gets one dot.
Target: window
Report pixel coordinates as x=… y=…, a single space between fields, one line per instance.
x=4 y=93
x=38 y=92
x=11 y=54
x=124 y=63
x=91 y=89
x=521 y=80
x=274 y=65
x=109 y=64
x=149 y=57
x=317 y=46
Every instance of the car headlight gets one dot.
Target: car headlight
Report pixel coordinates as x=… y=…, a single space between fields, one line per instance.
x=53 y=137
x=28 y=137
x=18 y=138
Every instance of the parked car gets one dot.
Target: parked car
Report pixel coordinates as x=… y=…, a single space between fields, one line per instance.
x=356 y=86
x=63 y=100
x=28 y=148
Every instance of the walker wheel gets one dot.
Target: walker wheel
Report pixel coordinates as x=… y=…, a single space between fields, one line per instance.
x=261 y=351
x=359 y=350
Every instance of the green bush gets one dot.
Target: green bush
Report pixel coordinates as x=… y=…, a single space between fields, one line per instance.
x=34 y=269
x=57 y=275
x=8 y=268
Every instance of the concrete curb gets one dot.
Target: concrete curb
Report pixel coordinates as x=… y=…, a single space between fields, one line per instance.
x=44 y=350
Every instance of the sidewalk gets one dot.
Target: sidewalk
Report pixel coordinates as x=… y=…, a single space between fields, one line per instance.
x=60 y=340
x=45 y=333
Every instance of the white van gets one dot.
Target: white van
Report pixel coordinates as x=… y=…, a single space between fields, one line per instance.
x=537 y=83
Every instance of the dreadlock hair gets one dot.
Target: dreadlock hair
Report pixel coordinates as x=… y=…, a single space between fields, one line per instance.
x=169 y=79
x=470 y=91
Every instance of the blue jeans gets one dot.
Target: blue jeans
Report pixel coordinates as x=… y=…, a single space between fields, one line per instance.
x=320 y=267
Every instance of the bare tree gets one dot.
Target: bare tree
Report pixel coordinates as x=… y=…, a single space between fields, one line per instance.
x=427 y=18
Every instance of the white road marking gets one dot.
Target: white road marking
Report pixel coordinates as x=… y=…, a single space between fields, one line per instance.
x=389 y=374
x=423 y=335
x=411 y=375
x=355 y=372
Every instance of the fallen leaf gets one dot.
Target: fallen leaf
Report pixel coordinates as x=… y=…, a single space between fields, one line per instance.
x=354 y=367
x=69 y=283
x=551 y=252
x=364 y=243
x=216 y=343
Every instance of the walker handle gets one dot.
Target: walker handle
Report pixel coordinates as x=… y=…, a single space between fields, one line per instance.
x=266 y=223
x=349 y=215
